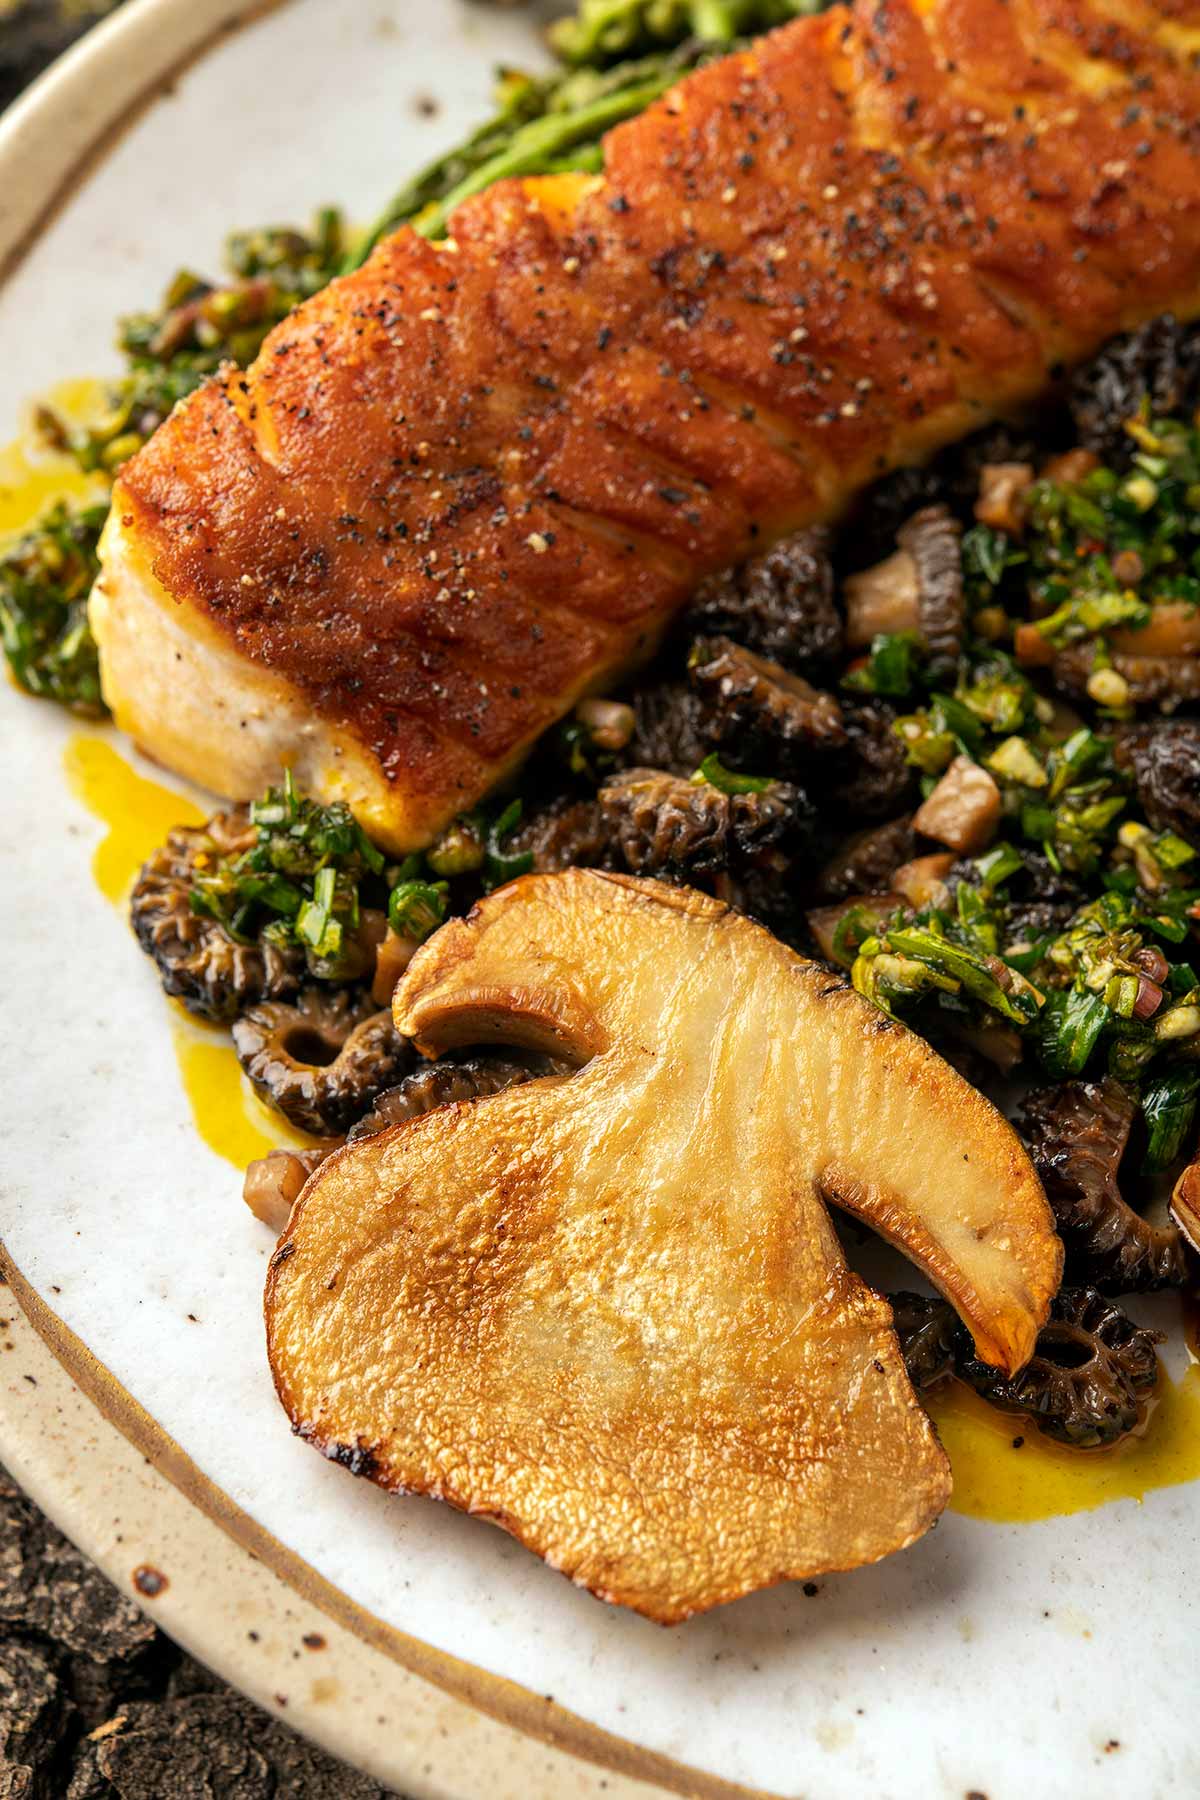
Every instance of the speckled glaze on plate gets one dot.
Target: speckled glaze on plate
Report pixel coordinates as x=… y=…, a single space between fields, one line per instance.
x=992 y=1660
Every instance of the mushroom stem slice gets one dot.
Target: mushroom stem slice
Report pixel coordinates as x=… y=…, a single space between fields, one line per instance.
x=607 y=1309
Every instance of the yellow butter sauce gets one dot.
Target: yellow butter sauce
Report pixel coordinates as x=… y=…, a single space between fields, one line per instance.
x=138 y=813
x=33 y=476
x=1041 y=1480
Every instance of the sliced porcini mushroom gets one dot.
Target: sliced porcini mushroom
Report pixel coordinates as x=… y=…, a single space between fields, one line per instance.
x=774 y=719
x=321 y=1059
x=608 y=1311
x=963 y=810
x=1076 y=1133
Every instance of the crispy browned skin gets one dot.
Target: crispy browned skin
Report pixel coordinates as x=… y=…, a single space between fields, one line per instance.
x=607 y=1310
x=474 y=479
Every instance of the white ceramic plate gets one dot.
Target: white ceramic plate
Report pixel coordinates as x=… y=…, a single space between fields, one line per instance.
x=1000 y=1660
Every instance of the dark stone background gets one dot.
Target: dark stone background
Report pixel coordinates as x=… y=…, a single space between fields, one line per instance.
x=95 y=1703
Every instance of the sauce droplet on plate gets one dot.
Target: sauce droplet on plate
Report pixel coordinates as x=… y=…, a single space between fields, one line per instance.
x=1043 y=1480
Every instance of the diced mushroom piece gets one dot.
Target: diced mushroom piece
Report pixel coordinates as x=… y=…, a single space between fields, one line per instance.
x=883 y=598
x=1173 y=629
x=1031 y=647
x=1185 y=1204
x=1071 y=467
x=272 y=1184
x=1076 y=1133
x=823 y=921
x=963 y=810
x=933 y=538
x=647 y=1236
x=772 y=718
x=1003 y=492
x=923 y=880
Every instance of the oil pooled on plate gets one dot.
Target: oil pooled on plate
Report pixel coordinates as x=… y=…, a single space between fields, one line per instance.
x=33 y=476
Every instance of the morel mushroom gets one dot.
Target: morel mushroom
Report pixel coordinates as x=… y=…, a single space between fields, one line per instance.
x=563 y=835
x=1158 y=363
x=1076 y=1134
x=779 y=604
x=772 y=718
x=933 y=539
x=322 y=1059
x=1086 y=1384
x=1165 y=759
x=872 y=777
x=668 y=729
x=918 y=588
x=451 y=1082
x=198 y=961
x=864 y=864
x=647 y=1236
x=662 y=825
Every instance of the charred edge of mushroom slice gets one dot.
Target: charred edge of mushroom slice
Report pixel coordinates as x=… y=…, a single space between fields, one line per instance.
x=663 y=825
x=1164 y=756
x=273 y=1182
x=1086 y=1384
x=933 y=538
x=197 y=960
x=323 y=1059
x=780 y=604
x=1076 y=1133
x=770 y=717
x=450 y=1081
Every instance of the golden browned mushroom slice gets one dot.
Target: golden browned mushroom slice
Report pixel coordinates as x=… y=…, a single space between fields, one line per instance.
x=607 y=1309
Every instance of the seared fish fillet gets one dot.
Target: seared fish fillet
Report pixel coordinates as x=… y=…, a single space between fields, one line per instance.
x=473 y=481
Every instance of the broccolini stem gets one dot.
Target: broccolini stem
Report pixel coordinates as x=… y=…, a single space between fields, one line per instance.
x=543 y=128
